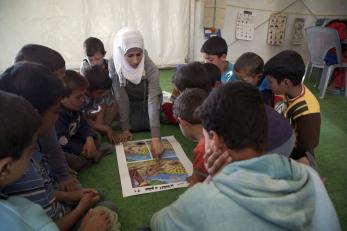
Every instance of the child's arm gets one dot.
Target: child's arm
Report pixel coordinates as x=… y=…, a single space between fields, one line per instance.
x=55 y=157
x=74 y=196
x=86 y=202
x=101 y=127
x=308 y=134
x=196 y=177
x=89 y=149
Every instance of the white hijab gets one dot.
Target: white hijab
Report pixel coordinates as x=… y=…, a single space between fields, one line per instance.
x=125 y=39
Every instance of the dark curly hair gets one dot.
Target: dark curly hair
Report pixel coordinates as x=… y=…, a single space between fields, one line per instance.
x=236 y=112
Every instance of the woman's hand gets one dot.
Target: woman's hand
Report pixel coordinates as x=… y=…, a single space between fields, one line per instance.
x=157 y=147
x=125 y=136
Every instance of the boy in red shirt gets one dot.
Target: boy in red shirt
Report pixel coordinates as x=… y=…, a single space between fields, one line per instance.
x=191 y=127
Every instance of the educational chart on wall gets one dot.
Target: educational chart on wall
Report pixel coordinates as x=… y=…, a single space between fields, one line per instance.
x=276 y=29
x=140 y=173
x=245 y=25
x=298 y=31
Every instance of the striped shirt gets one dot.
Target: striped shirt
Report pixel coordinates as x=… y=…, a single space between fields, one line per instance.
x=37 y=186
x=303 y=113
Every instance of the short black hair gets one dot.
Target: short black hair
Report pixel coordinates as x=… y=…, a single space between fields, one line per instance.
x=93 y=45
x=287 y=64
x=213 y=73
x=236 y=112
x=249 y=62
x=215 y=46
x=98 y=78
x=186 y=104
x=192 y=75
x=19 y=123
x=34 y=82
x=73 y=81
x=41 y=54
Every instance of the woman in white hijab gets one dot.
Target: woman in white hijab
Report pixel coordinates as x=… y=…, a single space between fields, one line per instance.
x=136 y=85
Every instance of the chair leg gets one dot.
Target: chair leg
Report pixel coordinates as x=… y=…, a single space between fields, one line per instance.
x=308 y=72
x=325 y=80
x=320 y=81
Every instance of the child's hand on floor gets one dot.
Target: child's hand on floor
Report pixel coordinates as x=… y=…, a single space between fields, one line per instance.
x=125 y=136
x=100 y=221
x=112 y=137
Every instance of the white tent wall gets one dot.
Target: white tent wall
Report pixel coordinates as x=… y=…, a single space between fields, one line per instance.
x=308 y=9
x=64 y=24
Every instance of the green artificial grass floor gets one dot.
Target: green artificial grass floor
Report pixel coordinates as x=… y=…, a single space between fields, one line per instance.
x=136 y=211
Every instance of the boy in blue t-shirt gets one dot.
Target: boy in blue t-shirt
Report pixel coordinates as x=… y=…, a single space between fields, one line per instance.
x=249 y=67
x=215 y=51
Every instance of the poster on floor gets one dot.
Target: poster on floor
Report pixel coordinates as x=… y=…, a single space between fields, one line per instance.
x=140 y=173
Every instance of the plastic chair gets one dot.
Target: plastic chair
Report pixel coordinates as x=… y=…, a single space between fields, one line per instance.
x=320 y=40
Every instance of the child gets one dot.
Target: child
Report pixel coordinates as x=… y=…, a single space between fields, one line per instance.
x=43 y=55
x=18 y=138
x=214 y=74
x=249 y=67
x=32 y=81
x=99 y=83
x=192 y=75
x=281 y=137
x=285 y=72
x=234 y=120
x=48 y=143
x=74 y=134
x=95 y=56
x=191 y=128
x=215 y=51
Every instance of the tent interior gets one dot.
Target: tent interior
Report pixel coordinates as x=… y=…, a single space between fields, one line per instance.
x=173 y=33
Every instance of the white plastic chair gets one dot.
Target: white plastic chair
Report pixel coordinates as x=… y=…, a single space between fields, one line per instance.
x=320 y=40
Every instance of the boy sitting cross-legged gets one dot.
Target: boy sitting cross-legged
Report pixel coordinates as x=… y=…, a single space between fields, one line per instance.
x=74 y=134
x=285 y=72
x=94 y=107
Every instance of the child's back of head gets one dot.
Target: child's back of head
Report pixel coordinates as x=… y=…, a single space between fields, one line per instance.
x=236 y=112
x=287 y=64
x=20 y=122
x=192 y=75
x=187 y=103
x=215 y=46
x=98 y=79
x=33 y=82
x=213 y=73
x=43 y=55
